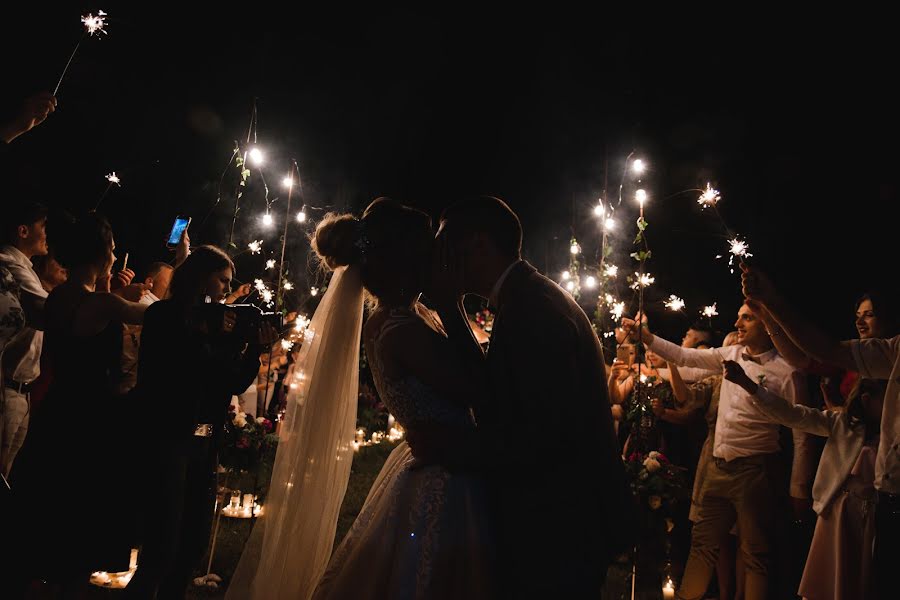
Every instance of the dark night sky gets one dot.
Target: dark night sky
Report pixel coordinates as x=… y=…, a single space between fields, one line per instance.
x=795 y=123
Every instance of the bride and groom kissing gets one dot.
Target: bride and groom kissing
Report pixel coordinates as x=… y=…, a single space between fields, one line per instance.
x=510 y=483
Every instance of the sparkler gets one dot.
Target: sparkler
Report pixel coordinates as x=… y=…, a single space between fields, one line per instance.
x=92 y=24
x=674 y=303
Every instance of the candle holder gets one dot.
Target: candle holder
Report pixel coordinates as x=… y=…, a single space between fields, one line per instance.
x=116 y=581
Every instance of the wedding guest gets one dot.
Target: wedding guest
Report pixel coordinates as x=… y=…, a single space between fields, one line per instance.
x=189 y=355
x=701 y=401
x=81 y=438
x=839 y=565
x=874 y=359
x=49 y=271
x=24 y=236
x=741 y=483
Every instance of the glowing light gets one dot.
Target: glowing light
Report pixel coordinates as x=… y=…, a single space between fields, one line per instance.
x=314 y=291
x=288 y=182
x=610 y=224
x=301 y=216
x=267 y=220
x=618 y=309
x=590 y=283
x=674 y=303
x=94 y=24
x=255 y=246
x=644 y=280
x=641 y=196
x=643 y=378
x=600 y=211
x=256 y=156
x=570 y=286
x=610 y=270
x=270 y=264
x=566 y=276
x=738 y=248
x=259 y=285
x=286 y=345
x=302 y=323
x=709 y=311
x=609 y=299
x=638 y=166
x=267 y=296
x=288 y=285
x=709 y=197
x=113 y=178
x=574 y=248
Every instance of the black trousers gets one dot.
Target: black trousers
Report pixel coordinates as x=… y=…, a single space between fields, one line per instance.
x=178 y=519
x=887 y=544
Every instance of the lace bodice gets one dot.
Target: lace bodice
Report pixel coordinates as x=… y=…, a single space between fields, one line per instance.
x=407 y=398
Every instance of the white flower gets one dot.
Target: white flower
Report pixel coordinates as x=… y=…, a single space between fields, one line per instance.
x=260 y=420
x=653 y=454
x=240 y=419
x=651 y=464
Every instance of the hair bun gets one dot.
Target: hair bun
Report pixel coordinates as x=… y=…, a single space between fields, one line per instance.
x=335 y=240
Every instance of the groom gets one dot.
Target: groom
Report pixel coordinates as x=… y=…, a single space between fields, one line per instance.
x=553 y=466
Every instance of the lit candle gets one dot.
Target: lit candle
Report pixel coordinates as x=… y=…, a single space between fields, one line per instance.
x=248 y=501
x=132 y=564
x=668 y=590
x=391 y=421
x=257 y=510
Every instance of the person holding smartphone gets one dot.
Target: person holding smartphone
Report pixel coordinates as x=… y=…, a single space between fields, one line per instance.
x=195 y=363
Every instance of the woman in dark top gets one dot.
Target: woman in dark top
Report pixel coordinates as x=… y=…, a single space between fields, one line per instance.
x=189 y=354
x=74 y=481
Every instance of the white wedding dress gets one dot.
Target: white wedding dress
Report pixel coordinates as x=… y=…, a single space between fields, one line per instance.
x=422 y=533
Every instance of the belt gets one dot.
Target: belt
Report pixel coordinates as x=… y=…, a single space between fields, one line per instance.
x=22 y=388
x=203 y=430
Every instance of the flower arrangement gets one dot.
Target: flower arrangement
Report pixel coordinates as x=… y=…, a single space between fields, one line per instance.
x=245 y=441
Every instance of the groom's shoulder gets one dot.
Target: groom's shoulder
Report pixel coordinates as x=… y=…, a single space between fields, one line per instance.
x=540 y=299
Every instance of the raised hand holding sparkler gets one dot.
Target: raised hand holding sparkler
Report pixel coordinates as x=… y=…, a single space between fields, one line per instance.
x=35 y=109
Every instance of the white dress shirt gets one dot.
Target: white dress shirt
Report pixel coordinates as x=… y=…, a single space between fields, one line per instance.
x=742 y=428
x=880 y=359
x=20 y=266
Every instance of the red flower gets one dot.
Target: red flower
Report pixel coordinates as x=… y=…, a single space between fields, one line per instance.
x=267 y=424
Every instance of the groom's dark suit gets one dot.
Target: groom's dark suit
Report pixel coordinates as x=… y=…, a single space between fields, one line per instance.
x=558 y=482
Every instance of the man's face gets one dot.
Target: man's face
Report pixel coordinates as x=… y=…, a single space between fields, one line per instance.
x=35 y=238
x=751 y=330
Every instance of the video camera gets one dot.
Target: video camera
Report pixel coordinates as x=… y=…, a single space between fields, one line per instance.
x=249 y=319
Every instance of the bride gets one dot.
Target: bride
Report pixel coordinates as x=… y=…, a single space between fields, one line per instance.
x=423 y=530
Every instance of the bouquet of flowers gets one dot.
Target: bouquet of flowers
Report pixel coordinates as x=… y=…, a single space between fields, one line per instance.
x=245 y=440
x=656 y=484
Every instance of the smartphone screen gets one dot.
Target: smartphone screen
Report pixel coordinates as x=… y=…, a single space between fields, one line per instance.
x=178 y=228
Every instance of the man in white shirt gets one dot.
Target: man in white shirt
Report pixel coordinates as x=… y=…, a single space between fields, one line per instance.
x=24 y=236
x=740 y=483
x=873 y=358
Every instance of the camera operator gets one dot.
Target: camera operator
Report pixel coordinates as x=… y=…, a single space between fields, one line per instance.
x=195 y=354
